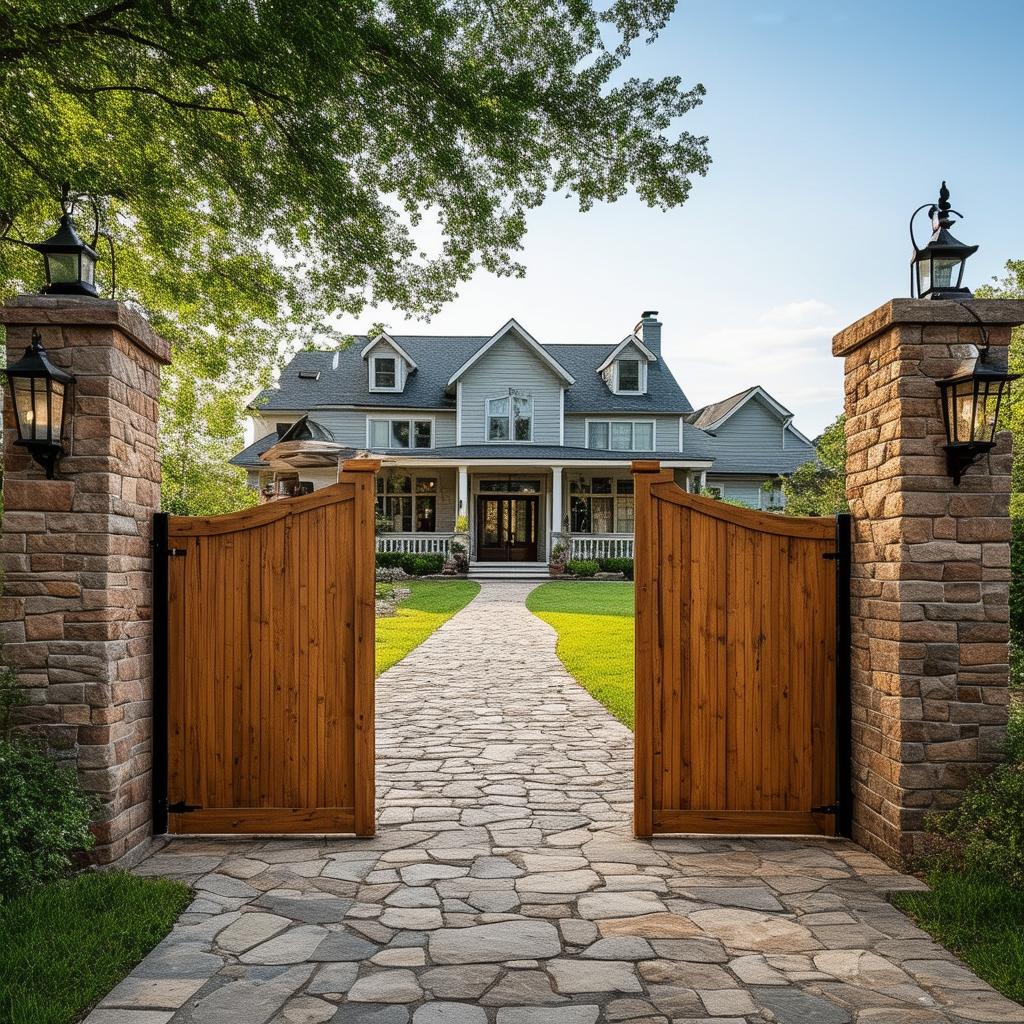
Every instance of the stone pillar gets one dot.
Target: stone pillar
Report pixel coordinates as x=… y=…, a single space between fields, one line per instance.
x=930 y=574
x=76 y=608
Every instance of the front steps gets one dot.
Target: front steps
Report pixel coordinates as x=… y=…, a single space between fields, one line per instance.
x=508 y=571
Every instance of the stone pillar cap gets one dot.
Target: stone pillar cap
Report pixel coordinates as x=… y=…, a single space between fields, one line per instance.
x=928 y=312
x=83 y=311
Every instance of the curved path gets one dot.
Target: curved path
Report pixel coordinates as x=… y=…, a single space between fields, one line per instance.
x=504 y=885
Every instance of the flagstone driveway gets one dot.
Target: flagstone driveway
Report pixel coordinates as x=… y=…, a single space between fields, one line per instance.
x=504 y=885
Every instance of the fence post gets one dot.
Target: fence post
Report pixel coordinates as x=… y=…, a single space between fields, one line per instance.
x=361 y=473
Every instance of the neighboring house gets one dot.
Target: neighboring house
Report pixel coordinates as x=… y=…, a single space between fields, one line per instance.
x=530 y=441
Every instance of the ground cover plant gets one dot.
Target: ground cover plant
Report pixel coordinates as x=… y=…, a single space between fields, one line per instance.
x=594 y=623
x=63 y=946
x=429 y=605
x=976 y=904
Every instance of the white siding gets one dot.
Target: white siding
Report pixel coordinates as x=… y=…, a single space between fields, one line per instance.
x=511 y=364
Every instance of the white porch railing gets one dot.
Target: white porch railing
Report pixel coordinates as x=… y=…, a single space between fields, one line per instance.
x=590 y=547
x=415 y=543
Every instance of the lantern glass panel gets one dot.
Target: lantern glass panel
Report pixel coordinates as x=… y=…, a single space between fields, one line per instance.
x=62 y=267
x=88 y=269
x=945 y=273
x=56 y=409
x=30 y=404
x=924 y=275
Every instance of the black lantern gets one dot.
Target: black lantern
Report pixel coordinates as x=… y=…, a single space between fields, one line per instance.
x=937 y=270
x=38 y=390
x=70 y=263
x=971 y=399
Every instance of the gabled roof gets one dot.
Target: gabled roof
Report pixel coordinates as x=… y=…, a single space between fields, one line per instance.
x=342 y=379
x=384 y=336
x=711 y=417
x=629 y=339
x=531 y=343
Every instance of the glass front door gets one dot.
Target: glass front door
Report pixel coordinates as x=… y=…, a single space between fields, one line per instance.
x=506 y=529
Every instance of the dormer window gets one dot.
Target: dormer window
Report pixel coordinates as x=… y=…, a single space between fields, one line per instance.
x=385 y=373
x=629 y=376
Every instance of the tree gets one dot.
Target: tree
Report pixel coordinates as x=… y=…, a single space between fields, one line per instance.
x=818 y=487
x=263 y=166
x=1012 y=409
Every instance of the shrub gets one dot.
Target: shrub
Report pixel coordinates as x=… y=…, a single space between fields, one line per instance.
x=583 y=568
x=414 y=565
x=623 y=565
x=44 y=817
x=390 y=574
x=985 y=833
x=462 y=524
x=459 y=557
x=560 y=554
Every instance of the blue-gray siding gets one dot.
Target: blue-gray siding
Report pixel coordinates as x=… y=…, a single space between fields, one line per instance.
x=511 y=364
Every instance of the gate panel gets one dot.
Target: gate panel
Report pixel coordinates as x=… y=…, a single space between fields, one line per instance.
x=269 y=664
x=735 y=666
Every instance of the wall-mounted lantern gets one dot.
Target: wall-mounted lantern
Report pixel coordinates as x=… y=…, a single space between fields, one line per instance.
x=38 y=391
x=937 y=270
x=971 y=400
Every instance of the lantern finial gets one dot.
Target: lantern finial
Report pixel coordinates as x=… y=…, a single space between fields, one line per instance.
x=937 y=268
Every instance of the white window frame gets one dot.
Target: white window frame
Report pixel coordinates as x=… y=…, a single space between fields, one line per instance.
x=411 y=420
x=511 y=416
x=617 y=500
x=633 y=424
x=399 y=372
x=641 y=376
x=381 y=494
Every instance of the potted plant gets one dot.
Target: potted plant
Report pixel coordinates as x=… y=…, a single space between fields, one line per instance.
x=559 y=559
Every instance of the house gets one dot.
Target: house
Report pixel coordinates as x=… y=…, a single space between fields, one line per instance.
x=530 y=441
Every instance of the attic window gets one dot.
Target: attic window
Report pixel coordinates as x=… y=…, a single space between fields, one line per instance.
x=384 y=373
x=629 y=376
x=309 y=374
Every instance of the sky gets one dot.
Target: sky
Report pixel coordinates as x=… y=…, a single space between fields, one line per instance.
x=829 y=121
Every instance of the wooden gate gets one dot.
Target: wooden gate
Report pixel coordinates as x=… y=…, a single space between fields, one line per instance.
x=264 y=651
x=736 y=666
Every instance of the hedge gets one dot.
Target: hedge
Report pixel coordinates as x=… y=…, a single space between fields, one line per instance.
x=623 y=565
x=583 y=568
x=414 y=565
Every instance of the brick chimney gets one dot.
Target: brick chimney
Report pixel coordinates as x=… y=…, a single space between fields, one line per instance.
x=649 y=330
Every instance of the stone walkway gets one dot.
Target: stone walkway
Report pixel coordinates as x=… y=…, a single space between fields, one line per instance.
x=504 y=885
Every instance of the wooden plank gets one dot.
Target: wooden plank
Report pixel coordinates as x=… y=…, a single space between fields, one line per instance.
x=739 y=822
x=264 y=820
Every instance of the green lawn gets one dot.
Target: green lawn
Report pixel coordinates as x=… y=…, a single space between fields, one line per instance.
x=980 y=919
x=594 y=623
x=431 y=603
x=64 y=946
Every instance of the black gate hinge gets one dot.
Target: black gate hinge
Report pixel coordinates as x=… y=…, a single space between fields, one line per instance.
x=832 y=556
x=183 y=808
x=176 y=552
x=826 y=809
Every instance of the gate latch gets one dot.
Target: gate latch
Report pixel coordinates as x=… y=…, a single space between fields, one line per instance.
x=183 y=808
x=826 y=809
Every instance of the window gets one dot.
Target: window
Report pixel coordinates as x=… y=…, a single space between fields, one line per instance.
x=426 y=505
x=601 y=505
x=400 y=433
x=629 y=375
x=385 y=373
x=510 y=418
x=394 y=502
x=407 y=504
x=510 y=486
x=621 y=435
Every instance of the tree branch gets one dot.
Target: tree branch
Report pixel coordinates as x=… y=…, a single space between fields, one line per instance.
x=170 y=100
x=87 y=24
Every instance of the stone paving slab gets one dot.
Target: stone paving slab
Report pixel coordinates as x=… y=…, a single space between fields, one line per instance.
x=504 y=886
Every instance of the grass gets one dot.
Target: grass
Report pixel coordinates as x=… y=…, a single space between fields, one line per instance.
x=979 y=918
x=431 y=603
x=63 y=946
x=594 y=623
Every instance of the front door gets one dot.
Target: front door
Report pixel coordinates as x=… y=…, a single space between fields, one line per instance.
x=506 y=529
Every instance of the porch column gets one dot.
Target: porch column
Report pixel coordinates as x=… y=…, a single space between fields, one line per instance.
x=462 y=509
x=556 y=507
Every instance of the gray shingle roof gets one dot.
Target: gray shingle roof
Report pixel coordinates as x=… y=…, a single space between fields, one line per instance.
x=709 y=414
x=343 y=378
x=250 y=457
